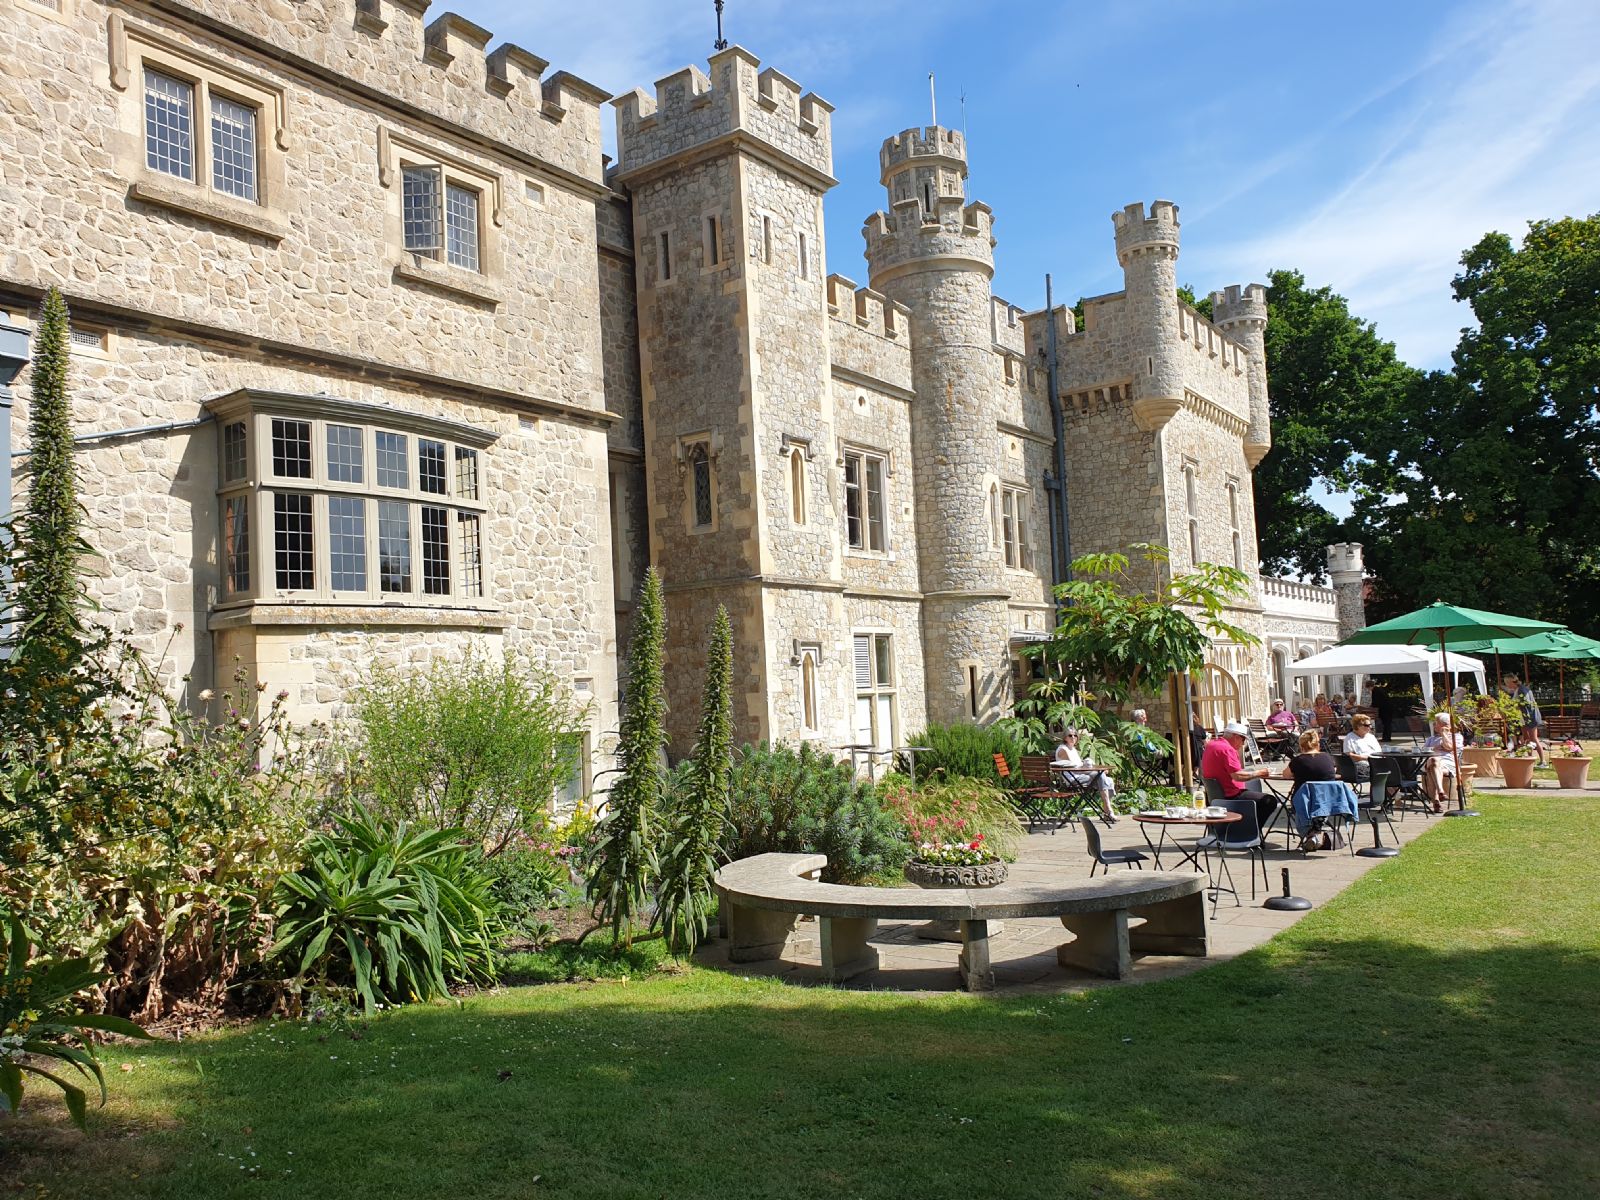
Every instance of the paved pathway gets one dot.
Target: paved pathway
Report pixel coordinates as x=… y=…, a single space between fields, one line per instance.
x=1024 y=954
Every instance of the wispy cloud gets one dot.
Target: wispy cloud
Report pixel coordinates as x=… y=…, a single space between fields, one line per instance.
x=1501 y=125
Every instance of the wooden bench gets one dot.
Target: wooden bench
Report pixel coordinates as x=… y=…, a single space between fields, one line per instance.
x=763 y=895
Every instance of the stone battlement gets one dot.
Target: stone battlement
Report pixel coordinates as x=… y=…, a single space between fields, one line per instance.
x=1236 y=305
x=1138 y=233
x=867 y=310
x=1007 y=328
x=956 y=229
x=690 y=109
x=442 y=66
x=931 y=142
x=1204 y=337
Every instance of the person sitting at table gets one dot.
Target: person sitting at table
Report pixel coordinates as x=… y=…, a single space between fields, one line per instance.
x=1067 y=765
x=1337 y=704
x=1280 y=720
x=1222 y=765
x=1312 y=763
x=1441 y=765
x=1362 y=747
x=1304 y=713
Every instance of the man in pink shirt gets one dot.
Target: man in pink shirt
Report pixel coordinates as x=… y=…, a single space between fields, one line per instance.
x=1221 y=763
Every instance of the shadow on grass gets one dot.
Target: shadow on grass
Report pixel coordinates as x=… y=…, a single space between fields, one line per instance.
x=1317 y=1066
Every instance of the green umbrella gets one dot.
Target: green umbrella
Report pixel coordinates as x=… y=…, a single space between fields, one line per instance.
x=1438 y=627
x=1572 y=646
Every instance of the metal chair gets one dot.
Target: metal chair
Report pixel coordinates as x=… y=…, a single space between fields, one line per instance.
x=1023 y=798
x=1106 y=858
x=1407 y=787
x=1241 y=835
x=1379 y=802
x=1213 y=791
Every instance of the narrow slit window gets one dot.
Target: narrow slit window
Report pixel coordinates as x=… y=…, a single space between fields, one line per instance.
x=766 y=240
x=797 y=486
x=664 y=253
x=236 y=544
x=700 y=482
x=808 y=691
x=805 y=257
x=713 y=241
x=972 y=691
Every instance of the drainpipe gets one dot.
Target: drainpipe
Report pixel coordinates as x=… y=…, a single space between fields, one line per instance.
x=106 y=435
x=1061 y=548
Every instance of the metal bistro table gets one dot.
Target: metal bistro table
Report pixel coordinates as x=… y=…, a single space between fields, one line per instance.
x=1188 y=856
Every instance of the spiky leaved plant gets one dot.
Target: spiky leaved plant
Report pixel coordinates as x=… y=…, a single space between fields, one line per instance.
x=699 y=812
x=622 y=864
x=48 y=595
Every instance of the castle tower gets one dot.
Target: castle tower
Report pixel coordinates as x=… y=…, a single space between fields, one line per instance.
x=934 y=253
x=1241 y=313
x=726 y=174
x=1346 y=570
x=1147 y=248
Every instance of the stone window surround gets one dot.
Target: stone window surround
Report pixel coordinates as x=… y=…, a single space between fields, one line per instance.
x=1231 y=488
x=1190 y=470
x=661 y=272
x=682 y=455
x=714 y=253
x=257 y=409
x=132 y=49
x=789 y=445
x=878 y=688
x=810 y=691
x=1021 y=497
x=486 y=285
x=861 y=449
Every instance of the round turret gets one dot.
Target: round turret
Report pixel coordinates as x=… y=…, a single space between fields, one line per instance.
x=1241 y=313
x=1139 y=235
x=1147 y=248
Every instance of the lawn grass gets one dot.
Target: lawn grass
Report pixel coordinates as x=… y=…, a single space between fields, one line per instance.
x=1433 y=1032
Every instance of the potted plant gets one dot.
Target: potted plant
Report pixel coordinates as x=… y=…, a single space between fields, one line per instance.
x=1571 y=764
x=1517 y=767
x=962 y=833
x=1483 y=754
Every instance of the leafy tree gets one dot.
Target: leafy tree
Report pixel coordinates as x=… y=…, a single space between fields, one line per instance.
x=1114 y=642
x=695 y=822
x=1497 y=464
x=1330 y=376
x=623 y=859
x=49 y=535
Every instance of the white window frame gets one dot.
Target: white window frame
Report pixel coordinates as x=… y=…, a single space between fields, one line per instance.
x=881 y=695
x=1191 y=496
x=1015 y=537
x=259 y=484
x=867 y=460
x=1233 y=522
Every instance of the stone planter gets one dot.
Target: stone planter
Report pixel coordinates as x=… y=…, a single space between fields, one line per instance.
x=1571 y=772
x=1518 y=772
x=1484 y=758
x=938 y=876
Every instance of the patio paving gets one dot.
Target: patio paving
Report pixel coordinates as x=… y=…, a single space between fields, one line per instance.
x=1024 y=953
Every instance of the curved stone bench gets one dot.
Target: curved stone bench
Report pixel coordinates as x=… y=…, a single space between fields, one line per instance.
x=762 y=896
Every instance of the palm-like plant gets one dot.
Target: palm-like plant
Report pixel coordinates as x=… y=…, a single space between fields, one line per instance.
x=39 y=1024
x=391 y=912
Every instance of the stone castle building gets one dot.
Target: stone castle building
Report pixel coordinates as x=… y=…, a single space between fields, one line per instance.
x=376 y=358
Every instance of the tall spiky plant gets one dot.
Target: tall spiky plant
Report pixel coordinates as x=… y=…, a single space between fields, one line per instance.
x=623 y=861
x=49 y=539
x=694 y=824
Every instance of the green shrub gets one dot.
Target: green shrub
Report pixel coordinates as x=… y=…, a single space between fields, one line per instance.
x=526 y=877
x=962 y=752
x=480 y=745
x=803 y=802
x=958 y=811
x=388 y=912
x=41 y=1030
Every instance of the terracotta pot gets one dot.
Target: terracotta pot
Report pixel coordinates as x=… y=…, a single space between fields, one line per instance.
x=1572 y=772
x=937 y=876
x=1518 y=772
x=1482 y=757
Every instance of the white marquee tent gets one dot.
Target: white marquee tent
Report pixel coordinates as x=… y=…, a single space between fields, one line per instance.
x=1361 y=661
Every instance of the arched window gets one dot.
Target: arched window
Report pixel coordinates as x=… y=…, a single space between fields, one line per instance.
x=994 y=515
x=808 y=691
x=1233 y=520
x=1191 y=496
x=797 y=486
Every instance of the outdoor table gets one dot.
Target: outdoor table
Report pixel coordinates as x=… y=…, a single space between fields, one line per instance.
x=911 y=753
x=865 y=750
x=1188 y=856
x=1079 y=787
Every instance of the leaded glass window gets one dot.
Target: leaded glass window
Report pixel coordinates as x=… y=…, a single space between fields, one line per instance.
x=470 y=529
x=435 y=550
x=421 y=192
x=291 y=449
x=430 y=466
x=233 y=148
x=294 y=545
x=393 y=469
x=346 y=454
x=394 y=546
x=700 y=465
x=236 y=545
x=466 y=473
x=347 y=543
x=169 y=125
x=461 y=226
x=235 y=452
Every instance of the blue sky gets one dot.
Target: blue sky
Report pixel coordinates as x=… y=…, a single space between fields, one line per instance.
x=1367 y=144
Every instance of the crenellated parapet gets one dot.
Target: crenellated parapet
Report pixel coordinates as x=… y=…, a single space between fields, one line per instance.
x=737 y=103
x=1138 y=234
x=955 y=235
x=869 y=335
x=443 y=67
x=1241 y=313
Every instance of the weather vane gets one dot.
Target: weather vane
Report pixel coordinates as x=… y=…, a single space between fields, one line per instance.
x=722 y=42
